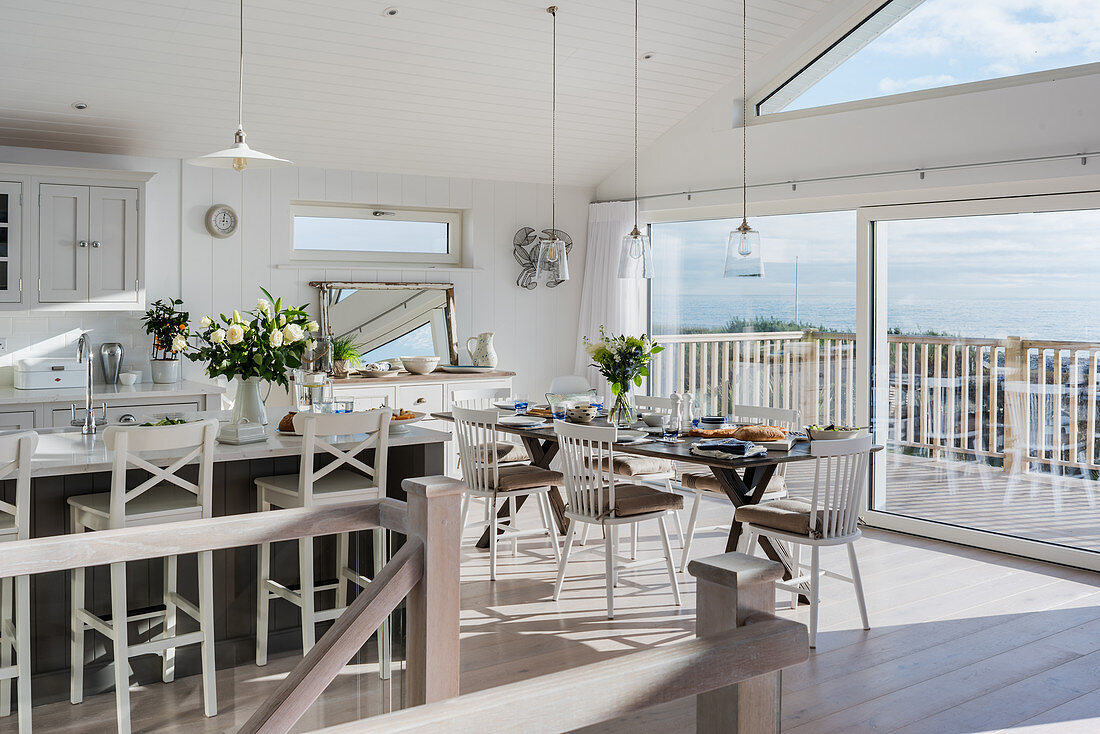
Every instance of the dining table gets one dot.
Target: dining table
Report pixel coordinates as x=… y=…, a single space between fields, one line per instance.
x=744 y=480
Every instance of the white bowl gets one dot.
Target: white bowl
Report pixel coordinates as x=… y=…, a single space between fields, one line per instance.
x=127 y=378
x=821 y=434
x=420 y=365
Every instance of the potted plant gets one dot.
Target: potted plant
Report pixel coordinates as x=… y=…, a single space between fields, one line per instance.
x=168 y=327
x=623 y=361
x=346 y=356
x=261 y=345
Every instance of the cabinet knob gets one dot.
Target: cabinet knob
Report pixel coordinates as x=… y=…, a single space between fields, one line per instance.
x=421 y=401
x=95 y=243
x=82 y=243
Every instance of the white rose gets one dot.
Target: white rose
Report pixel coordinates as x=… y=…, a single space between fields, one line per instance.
x=292 y=333
x=276 y=339
x=217 y=336
x=282 y=319
x=235 y=335
x=263 y=306
x=312 y=326
x=179 y=343
x=206 y=322
x=310 y=344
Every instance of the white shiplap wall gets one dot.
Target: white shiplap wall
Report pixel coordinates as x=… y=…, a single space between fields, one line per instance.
x=536 y=330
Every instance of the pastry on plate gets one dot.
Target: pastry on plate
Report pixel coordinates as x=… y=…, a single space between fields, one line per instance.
x=286 y=425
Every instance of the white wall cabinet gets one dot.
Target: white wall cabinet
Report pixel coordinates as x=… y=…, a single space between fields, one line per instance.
x=11 y=238
x=88 y=246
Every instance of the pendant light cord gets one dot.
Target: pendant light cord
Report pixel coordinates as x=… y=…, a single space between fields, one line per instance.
x=635 y=115
x=554 y=129
x=240 y=73
x=744 y=111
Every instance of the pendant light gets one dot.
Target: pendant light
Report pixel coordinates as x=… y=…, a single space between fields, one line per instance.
x=635 y=255
x=743 y=247
x=240 y=156
x=552 y=265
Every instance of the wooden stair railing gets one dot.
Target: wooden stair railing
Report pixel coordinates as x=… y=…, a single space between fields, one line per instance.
x=732 y=668
x=424 y=572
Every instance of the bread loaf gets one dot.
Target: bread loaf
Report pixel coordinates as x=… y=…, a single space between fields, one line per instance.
x=760 y=433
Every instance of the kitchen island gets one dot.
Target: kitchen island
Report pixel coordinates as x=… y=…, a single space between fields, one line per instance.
x=68 y=464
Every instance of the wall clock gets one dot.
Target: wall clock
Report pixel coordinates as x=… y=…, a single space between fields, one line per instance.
x=221 y=220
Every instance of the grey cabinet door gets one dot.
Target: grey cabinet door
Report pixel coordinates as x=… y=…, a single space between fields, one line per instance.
x=113 y=245
x=63 y=243
x=11 y=241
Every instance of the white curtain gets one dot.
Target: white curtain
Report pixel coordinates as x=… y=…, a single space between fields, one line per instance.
x=617 y=305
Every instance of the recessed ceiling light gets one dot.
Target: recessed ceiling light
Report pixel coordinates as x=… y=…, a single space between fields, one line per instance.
x=391 y=11
x=79 y=105
x=647 y=55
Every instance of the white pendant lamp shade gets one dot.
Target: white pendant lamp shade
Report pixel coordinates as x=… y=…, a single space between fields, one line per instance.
x=552 y=266
x=635 y=256
x=239 y=157
x=743 y=253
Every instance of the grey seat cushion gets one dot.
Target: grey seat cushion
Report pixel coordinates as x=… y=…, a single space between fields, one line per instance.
x=526 y=477
x=507 y=452
x=789 y=516
x=629 y=465
x=637 y=499
x=704 y=479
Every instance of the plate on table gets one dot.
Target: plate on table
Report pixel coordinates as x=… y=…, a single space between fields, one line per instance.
x=521 y=421
x=464 y=369
x=402 y=426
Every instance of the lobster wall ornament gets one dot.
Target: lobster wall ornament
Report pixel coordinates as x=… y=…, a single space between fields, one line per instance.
x=525 y=249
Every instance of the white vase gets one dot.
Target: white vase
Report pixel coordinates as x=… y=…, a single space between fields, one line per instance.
x=165 y=371
x=481 y=350
x=248 y=406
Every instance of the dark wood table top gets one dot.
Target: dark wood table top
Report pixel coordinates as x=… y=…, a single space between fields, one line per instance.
x=675 y=452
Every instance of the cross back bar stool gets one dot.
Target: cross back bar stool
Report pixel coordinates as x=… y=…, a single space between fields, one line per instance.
x=701 y=480
x=831 y=517
x=164 y=497
x=16 y=451
x=330 y=484
x=596 y=497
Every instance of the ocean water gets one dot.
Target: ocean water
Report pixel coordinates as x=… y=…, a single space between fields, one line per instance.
x=1031 y=318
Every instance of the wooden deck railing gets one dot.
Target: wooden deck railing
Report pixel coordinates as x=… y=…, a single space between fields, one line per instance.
x=1018 y=402
x=732 y=668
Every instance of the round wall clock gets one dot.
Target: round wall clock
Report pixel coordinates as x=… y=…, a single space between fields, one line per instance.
x=221 y=220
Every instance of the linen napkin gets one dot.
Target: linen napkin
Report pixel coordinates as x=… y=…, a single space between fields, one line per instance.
x=727 y=448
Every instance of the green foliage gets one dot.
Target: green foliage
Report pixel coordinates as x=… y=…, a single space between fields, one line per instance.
x=266 y=344
x=168 y=327
x=623 y=360
x=344 y=348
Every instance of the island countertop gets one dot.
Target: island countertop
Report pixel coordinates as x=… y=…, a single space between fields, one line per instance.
x=67 y=452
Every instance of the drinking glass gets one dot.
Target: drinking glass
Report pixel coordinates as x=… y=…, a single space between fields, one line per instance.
x=519 y=402
x=671 y=429
x=558 y=407
x=597 y=402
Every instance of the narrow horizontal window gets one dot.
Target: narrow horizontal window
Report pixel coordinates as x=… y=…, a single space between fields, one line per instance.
x=346 y=232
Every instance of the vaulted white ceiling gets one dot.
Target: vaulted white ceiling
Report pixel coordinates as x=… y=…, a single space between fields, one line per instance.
x=445 y=87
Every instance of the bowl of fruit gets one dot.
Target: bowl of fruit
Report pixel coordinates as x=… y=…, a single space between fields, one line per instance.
x=402 y=419
x=832 y=432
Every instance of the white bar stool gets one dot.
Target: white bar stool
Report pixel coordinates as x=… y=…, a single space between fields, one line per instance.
x=164 y=497
x=327 y=485
x=16 y=451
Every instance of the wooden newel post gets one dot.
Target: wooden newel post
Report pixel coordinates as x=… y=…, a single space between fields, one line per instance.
x=431 y=607
x=730 y=589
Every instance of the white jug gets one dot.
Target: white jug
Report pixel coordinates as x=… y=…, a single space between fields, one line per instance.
x=481 y=350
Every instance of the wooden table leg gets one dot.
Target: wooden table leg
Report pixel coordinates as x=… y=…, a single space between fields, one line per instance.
x=541 y=453
x=749 y=490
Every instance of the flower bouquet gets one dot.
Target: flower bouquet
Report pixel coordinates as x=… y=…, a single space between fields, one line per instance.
x=168 y=327
x=623 y=361
x=261 y=345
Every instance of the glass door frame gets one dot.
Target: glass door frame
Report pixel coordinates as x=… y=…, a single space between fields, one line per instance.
x=873 y=375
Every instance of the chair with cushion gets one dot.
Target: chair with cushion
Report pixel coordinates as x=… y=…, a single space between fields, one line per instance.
x=330 y=484
x=569 y=385
x=702 y=480
x=831 y=517
x=164 y=497
x=16 y=450
x=597 y=497
x=486 y=478
x=509 y=452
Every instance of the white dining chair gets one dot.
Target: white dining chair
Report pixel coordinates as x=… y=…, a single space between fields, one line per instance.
x=831 y=517
x=16 y=451
x=597 y=497
x=486 y=478
x=702 y=481
x=569 y=385
x=485 y=399
x=164 y=497
x=329 y=484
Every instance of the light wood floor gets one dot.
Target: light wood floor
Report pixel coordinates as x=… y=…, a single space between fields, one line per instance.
x=961 y=641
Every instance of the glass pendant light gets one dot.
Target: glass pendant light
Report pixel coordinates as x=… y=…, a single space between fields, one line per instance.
x=743 y=247
x=552 y=265
x=240 y=156
x=635 y=255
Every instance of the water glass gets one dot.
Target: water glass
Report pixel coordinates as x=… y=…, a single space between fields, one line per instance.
x=671 y=429
x=597 y=402
x=519 y=402
x=558 y=410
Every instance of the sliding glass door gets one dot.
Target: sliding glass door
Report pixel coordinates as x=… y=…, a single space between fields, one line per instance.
x=984 y=323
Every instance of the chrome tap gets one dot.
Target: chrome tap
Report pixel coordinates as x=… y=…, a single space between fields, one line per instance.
x=88 y=426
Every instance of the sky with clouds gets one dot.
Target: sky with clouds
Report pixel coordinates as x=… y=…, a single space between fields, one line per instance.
x=943 y=42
